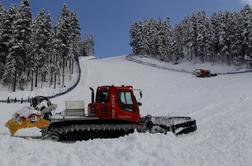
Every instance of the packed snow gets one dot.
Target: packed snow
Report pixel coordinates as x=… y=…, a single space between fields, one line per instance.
x=221 y=105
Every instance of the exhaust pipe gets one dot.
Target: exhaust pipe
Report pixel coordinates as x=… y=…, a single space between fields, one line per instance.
x=92 y=94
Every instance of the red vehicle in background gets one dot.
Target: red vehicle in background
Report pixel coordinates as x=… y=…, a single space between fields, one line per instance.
x=203 y=73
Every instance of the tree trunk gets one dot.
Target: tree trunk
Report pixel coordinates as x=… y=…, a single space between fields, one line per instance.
x=55 y=80
x=59 y=79
x=72 y=66
x=42 y=82
x=36 y=77
x=51 y=78
x=32 y=80
x=45 y=77
x=15 y=81
x=63 y=72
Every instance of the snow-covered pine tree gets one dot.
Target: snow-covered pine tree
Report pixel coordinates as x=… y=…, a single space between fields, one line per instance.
x=89 y=45
x=10 y=71
x=230 y=37
x=56 y=58
x=155 y=29
x=63 y=35
x=7 y=35
x=75 y=33
x=41 y=56
x=52 y=64
x=22 y=29
x=201 y=20
x=8 y=21
x=225 y=36
x=14 y=65
x=186 y=26
x=157 y=39
x=165 y=40
x=174 y=48
x=216 y=21
x=235 y=38
x=136 y=38
x=177 y=44
x=83 y=53
x=246 y=50
x=148 y=36
x=21 y=44
x=208 y=44
x=2 y=46
x=194 y=36
x=75 y=40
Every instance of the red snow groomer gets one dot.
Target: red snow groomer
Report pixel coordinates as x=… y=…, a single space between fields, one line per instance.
x=203 y=73
x=113 y=112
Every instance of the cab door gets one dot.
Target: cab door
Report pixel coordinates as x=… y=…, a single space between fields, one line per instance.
x=128 y=106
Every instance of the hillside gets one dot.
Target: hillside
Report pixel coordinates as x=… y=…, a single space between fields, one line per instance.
x=221 y=105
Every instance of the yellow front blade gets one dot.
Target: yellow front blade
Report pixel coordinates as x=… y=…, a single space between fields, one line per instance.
x=14 y=126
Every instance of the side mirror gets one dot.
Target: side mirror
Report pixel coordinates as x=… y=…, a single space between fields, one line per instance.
x=139 y=104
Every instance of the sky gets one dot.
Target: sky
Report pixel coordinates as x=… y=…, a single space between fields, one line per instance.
x=110 y=20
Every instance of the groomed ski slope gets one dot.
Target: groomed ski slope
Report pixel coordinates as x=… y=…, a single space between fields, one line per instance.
x=221 y=105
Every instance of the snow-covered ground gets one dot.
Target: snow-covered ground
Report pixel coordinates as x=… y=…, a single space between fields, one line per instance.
x=221 y=105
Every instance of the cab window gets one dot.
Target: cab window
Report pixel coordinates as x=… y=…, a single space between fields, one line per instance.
x=125 y=101
x=102 y=96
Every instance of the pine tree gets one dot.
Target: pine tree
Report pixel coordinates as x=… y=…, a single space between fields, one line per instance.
x=22 y=30
x=75 y=33
x=165 y=38
x=75 y=40
x=136 y=38
x=21 y=41
x=201 y=35
x=187 y=31
x=246 y=50
x=19 y=45
x=194 y=36
x=236 y=38
x=177 y=44
x=63 y=35
x=2 y=46
x=56 y=45
x=89 y=46
x=7 y=32
x=149 y=32
x=13 y=61
x=83 y=53
x=215 y=27
x=42 y=45
x=209 y=37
